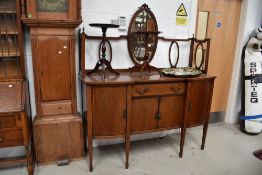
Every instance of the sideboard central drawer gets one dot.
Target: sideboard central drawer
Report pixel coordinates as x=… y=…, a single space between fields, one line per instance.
x=158 y=89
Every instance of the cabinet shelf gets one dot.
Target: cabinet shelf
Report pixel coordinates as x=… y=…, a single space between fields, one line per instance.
x=9 y=33
x=9 y=54
x=7 y=11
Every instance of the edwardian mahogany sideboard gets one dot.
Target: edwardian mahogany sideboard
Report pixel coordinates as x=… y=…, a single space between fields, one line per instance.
x=137 y=101
x=131 y=104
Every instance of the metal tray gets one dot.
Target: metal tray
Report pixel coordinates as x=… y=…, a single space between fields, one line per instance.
x=185 y=72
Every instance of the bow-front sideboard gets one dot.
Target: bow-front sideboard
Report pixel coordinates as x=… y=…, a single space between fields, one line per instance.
x=129 y=104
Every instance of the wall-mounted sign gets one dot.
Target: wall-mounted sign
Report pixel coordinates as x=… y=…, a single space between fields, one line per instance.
x=181 y=16
x=181 y=11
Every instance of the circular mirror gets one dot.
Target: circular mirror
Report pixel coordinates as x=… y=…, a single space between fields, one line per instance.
x=142 y=36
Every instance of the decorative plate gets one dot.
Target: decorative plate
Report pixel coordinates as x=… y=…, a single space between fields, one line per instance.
x=181 y=72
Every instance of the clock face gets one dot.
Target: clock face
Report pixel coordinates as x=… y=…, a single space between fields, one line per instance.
x=52 y=5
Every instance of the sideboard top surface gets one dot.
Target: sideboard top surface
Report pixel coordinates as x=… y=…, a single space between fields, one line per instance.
x=135 y=78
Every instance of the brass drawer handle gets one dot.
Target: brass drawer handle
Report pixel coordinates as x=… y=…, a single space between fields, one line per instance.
x=1 y=140
x=176 y=89
x=142 y=92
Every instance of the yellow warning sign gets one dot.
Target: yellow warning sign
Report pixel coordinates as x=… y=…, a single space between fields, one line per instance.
x=181 y=21
x=181 y=10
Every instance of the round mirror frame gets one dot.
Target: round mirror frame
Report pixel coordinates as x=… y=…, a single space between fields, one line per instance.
x=144 y=7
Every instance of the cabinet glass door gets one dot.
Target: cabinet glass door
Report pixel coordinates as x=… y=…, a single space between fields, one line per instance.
x=9 y=40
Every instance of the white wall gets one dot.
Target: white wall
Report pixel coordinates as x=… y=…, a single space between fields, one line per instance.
x=251 y=18
x=102 y=11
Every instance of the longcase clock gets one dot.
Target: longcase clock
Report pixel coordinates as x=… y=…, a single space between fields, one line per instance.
x=57 y=126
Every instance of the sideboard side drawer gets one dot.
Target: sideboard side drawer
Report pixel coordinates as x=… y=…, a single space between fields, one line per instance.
x=158 y=89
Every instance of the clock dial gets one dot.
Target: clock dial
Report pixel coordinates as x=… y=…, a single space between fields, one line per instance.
x=52 y=5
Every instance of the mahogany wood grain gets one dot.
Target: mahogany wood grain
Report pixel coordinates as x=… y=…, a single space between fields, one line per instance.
x=156 y=89
x=171 y=111
x=198 y=112
x=143 y=114
x=89 y=126
x=155 y=107
x=128 y=125
x=109 y=111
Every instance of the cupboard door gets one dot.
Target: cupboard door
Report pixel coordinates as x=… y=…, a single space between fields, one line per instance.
x=109 y=108
x=198 y=102
x=143 y=114
x=171 y=112
x=53 y=59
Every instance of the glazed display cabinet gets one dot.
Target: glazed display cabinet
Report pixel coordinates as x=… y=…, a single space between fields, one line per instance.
x=15 y=116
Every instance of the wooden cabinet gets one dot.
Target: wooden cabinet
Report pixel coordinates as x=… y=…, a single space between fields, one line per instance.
x=200 y=94
x=15 y=124
x=58 y=138
x=15 y=121
x=143 y=112
x=11 y=44
x=54 y=74
x=109 y=111
x=198 y=105
x=156 y=106
x=171 y=111
x=52 y=33
x=53 y=77
x=54 y=68
x=151 y=103
x=53 y=10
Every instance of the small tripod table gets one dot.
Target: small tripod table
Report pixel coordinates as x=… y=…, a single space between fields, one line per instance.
x=103 y=62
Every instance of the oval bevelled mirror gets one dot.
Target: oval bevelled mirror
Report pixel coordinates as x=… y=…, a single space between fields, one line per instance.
x=142 y=36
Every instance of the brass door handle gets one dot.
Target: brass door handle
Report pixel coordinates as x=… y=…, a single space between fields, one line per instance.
x=157 y=116
x=125 y=114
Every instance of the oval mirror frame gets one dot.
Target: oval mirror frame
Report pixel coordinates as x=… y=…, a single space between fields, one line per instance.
x=143 y=8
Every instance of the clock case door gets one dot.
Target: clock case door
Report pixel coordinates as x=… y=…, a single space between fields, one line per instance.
x=53 y=10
